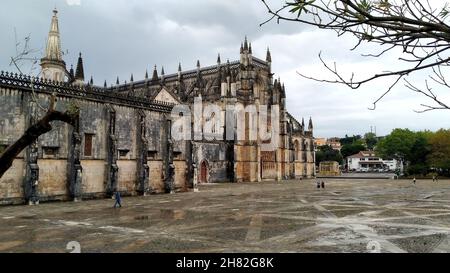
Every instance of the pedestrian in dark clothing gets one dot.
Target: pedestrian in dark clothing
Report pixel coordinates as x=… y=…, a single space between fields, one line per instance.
x=118 y=199
x=323 y=185
x=318 y=184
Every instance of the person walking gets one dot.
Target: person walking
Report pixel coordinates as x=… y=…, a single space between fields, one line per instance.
x=414 y=180
x=118 y=199
x=318 y=184
x=323 y=184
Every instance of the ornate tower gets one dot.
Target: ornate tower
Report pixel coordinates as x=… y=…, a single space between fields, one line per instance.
x=79 y=72
x=52 y=65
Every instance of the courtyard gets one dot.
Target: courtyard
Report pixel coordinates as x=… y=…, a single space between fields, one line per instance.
x=349 y=215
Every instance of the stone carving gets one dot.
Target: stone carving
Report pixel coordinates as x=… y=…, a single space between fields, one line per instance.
x=112 y=168
x=142 y=167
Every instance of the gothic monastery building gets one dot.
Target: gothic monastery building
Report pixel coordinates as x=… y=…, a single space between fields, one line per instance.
x=124 y=140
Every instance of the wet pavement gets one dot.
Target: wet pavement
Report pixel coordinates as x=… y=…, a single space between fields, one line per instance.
x=290 y=216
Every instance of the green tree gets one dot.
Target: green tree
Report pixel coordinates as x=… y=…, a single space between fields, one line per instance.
x=418 y=155
x=371 y=140
x=351 y=149
x=349 y=140
x=327 y=153
x=411 y=147
x=397 y=145
x=439 y=156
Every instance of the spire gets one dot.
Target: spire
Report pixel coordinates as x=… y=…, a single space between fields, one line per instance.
x=71 y=73
x=162 y=71
x=146 y=74
x=91 y=81
x=250 y=48
x=131 y=78
x=198 y=64
x=155 y=74
x=52 y=64
x=179 y=71
x=242 y=49
x=283 y=92
x=268 y=56
x=79 y=74
x=245 y=44
x=218 y=59
x=310 y=125
x=53 y=50
x=303 y=123
x=117 y=81
x=105 y=85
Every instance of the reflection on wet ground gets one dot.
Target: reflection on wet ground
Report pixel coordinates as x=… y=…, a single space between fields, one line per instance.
x=290 y=216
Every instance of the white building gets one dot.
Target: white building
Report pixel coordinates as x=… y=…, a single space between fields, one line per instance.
x=367 y=161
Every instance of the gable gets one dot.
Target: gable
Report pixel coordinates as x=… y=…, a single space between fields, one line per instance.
x=166 y=96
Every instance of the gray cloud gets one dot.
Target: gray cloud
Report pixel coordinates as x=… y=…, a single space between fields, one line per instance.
x=121 y=37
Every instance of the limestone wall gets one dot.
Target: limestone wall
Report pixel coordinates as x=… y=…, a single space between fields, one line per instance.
x=127 y=176
x=156 y=173
x=94 y=172
x=11 y=182
x=54 y=147
x=180 y=174
x=52 y=178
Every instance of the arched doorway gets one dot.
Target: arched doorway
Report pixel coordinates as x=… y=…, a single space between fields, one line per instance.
x=203 y=172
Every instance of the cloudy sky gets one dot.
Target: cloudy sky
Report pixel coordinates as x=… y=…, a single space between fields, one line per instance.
x=121 y=37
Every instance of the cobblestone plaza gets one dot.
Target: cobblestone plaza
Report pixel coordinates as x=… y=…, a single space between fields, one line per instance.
x=349 y=215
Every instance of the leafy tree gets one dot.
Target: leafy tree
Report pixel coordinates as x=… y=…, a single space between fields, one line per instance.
x=415 y=32
x=327 y=153
x=439 y=156
x=371 y=140
x=349 y=140
x=418 y=155
x=420 y=148
x=351 y=149
x=397 y=145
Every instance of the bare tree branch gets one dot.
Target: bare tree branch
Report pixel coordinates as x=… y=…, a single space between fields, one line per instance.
x=419 y=29
x=43 y=125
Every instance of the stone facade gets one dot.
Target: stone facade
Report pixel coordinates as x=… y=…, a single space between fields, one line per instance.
x=123 y=139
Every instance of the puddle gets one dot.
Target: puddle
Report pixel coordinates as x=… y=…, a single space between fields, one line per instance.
x=33 y=216
x=172 y=214
x=70 y=211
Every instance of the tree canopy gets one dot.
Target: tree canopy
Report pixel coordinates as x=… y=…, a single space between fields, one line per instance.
x=327 y=153
x=351 y=149
x=422 y=152
x=439 y=156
